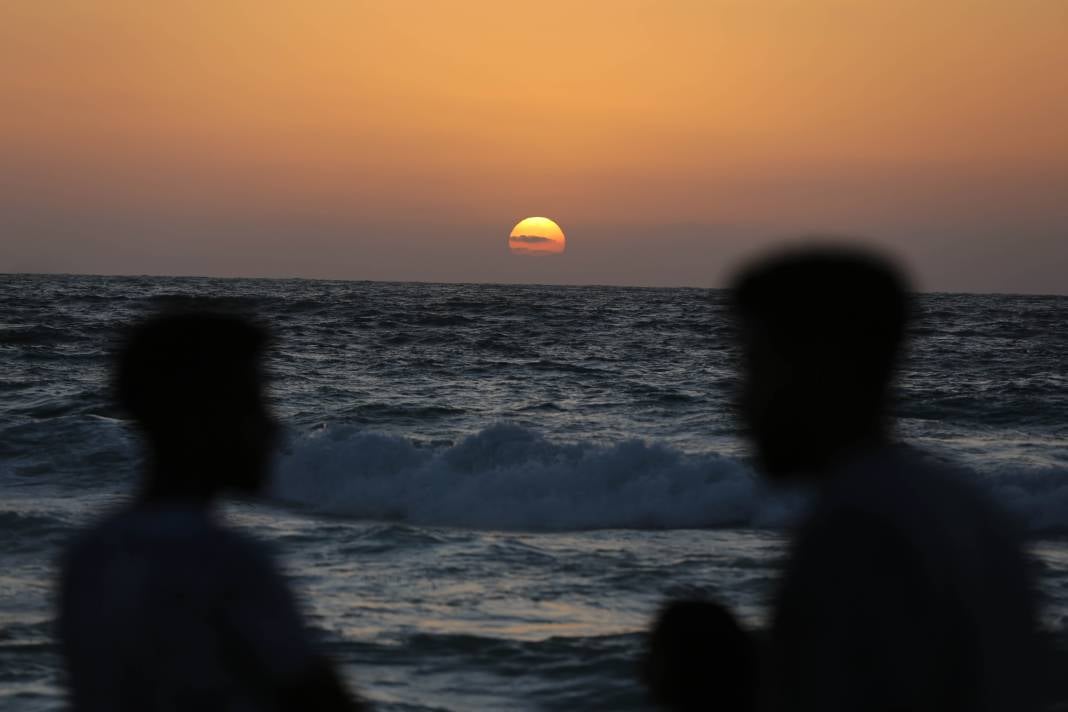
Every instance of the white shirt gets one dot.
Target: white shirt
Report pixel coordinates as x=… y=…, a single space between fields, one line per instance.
x=163 y=608
x=907 y=589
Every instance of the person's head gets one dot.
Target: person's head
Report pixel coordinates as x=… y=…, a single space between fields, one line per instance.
x=821 y=332
x=698 y=658
x=194 y=385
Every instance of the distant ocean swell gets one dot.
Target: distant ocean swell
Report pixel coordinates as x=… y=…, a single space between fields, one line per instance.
x=508 y=477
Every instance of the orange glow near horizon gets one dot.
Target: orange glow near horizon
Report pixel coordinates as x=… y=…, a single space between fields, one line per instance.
x=537 y=237
x=225 y=121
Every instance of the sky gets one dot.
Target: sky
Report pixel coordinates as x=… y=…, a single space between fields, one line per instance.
x=402 y=140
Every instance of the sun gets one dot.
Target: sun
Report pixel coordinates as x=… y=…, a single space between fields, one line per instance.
x=536 y=237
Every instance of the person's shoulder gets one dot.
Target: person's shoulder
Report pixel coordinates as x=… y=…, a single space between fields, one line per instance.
x=245 y=551
x=834 y=535
x=905 y=499
x=871 y=502
x=167 y=530
x=99 y=535
x=957 y=489
x=905 y=480
x=91 y=556
x=243 y=560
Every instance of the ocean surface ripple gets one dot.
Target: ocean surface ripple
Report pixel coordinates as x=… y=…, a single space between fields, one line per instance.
x=485 y=490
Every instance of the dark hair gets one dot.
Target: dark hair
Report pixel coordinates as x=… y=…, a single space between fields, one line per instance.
x=853 y=301
x=172 y=365
x=699 y=658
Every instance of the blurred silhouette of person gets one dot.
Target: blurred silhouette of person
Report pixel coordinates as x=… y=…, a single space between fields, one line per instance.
x=698 y=659
x=906 y=588
x=162 y=605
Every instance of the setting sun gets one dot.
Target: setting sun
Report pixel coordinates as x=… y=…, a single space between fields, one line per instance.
x=536 y=236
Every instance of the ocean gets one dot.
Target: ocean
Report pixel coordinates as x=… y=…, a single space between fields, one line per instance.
x=485 y=491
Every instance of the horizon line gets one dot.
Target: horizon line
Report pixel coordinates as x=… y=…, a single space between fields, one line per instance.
x=463 y=283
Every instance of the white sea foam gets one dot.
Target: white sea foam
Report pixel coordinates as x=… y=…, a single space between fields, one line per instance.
x=507 y=477
x=1038 y=495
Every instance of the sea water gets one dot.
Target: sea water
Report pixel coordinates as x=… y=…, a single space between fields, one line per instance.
x=485 y=491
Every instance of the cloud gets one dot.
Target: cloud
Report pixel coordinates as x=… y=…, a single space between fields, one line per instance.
x=517 y=250
x=531 y=239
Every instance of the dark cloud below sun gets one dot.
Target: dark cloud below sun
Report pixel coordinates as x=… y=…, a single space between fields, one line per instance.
x=531 y=239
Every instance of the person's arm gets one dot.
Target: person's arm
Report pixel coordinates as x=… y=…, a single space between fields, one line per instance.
x=267 y=642
x=856 y=627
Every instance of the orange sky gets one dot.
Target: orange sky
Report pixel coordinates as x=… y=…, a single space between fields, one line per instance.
x=227 y=135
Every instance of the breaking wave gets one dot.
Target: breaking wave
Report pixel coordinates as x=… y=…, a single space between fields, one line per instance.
x=509 y=477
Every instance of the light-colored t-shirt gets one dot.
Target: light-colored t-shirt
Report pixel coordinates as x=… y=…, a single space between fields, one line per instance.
x=907 y=590
x=164 y=608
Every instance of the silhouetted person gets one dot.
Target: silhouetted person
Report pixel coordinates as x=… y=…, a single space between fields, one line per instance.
x=162 y=606
x=906 y=588
x=699 y=659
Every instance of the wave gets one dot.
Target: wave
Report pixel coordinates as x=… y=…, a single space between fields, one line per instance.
x=511 y=478
x=1038 y=495
x=508 y=477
